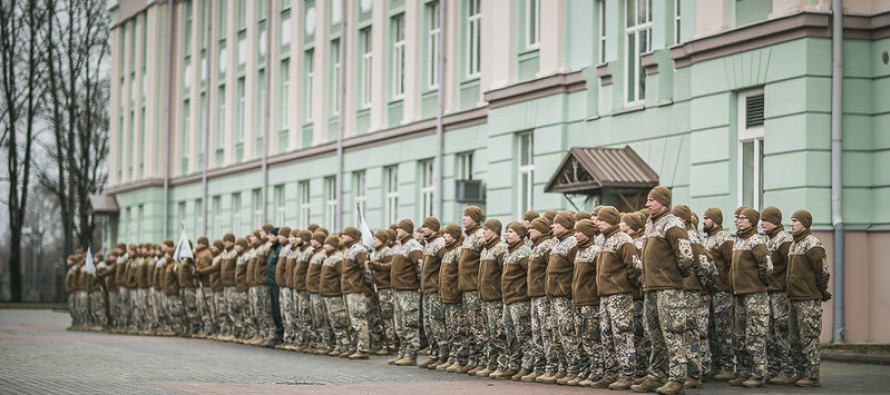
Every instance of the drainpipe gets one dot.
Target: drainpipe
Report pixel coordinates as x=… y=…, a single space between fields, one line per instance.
x=169 y=114
x=206 y=109
x=440 y=127
x=266 y=113
x=837 y=219
x=341 y=127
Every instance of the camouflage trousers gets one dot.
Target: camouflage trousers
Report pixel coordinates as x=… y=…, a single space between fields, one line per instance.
x=302 y=318
x=134 y=303
x=82 y=307
x=641 y=341
x=751 y=324
x=434 y=326
x=122 y=308
x=113 y=300
x=592 y=362
x=566 y=338
x=221 y=309
x=518 y=329
x=720 y=332
x=778 y=346
x=545 y=357
x=338 y=316
x=358 y=304
x=72 y=308
x=99 y=316
x=190 y=302
x=140 y=308
x=250 y=318
x=288 y=312
x=496 y=341
x=617 y=334
x=406 y=312
x=457 y=330
x=176 y=311
x=265 y=323
x=472 y=345
x=382 y=325
x=664 y=317
x=237 y=308
x=806 y=325
x=698 y=357
x=204 y=302
x=158 y=310
x=321 y=329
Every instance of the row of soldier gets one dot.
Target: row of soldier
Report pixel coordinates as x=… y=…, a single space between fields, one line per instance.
x=638 y=300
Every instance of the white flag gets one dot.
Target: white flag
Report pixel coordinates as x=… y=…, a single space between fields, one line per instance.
x=183 y=249
x=90 y=264
x=367 y=236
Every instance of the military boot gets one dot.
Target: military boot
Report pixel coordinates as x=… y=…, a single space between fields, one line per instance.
x=474 y=369
x=604 y=382
x=425 y=364
x=465 y=369
x=406 y=361
x=671 y=388
x=648 y=385
x=576 y=381
x=623 y=383
x=520 y=374
x=382 y=352
x=737 y=381
x=443 y=367
x=392 y=361
x=530 y=377
x=547 y=378
x=781 y=379
x=752 y=382
x=565 y=380
x=807 y=382
x=498 y=375
x=484 y=372
x=692 y=382
x=359 y=355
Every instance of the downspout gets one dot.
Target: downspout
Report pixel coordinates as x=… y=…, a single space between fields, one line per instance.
x=837 y=219
x=440 y=127
x=169 y=114
x=266 y=113
x=338 y=216
x=207 y=34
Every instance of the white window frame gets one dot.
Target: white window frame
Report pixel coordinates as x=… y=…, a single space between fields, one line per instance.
x=474 y=38
x=284 y=102
x=330 y=204
x=309 y=59
x=261 y=81
x=128 y=235
x=236 y=212
x=186 y=131
x=217 y=216
x=360 y=189
x=464 y=165
x=602 y=31
x=140 y=219
x=434 y=34
x=199 y=218
x=335 y=76
x=426 y=188
x=258 y=217
x=365 y=38
x=526 y=172
x=280 y=205
x=182 y=211
x=392 y=193
x=305 y=203
x=221 y=118
x=749 y=135
x=398 y=56
x=639 y=37
x=532 y=24
x=242 y=114
x=677 y=21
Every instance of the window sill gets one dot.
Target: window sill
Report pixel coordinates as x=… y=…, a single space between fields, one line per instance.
x=632 y=108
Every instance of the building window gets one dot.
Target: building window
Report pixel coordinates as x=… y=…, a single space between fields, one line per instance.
x=360 y=190
x=221 y=118
x=280 y=205
x=129 y=217
x=186 y=127
x=310 y=82
x=223 y=19
x=433 y=36
x=392 y=194
x=236 y=212
x=261 y=107
x=474 y=38
x=465 y=166
x=304 y=204
x=638 y=32
x=187 y=46
x=367 y=57
x=335 y=76
x=181 y=215
x=602 y=31
x=284 y=95
x=398 y=56
x=258 y=217
x=217 y=216
x=526 y=171
x=426 y=188
x=241 y=14
x=241 y=120
x=532 y=24
x=750 y=154
x=199 y=218
x=140 y=219
x=330 y=202
x=677 y=20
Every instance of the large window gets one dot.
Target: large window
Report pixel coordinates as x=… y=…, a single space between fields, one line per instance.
x=602 y=30
x=392 y=194
x=335 y=76
x=310 y=81
x=360 y=190
x=258 y=217
x=284 y=95
x=526 y=171
x=280 y=205
x=140 y=219
x=217 y=216
x=221 y=118
x=304 y=204
x=474 y=38
x=434 y=33
x=330 y=202
x=199 y=218
x=186 y=127
x=367 y=57
x=181 y=216
x=677 y=20
x=236 y=213
x=242 y=119
x=398 y=56
x=426 y=188
x=750 y=154
x=638 y=37
x=465 y=166
x=532 y=24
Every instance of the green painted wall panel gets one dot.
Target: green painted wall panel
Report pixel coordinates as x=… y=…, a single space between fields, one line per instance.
x=526 y=115
x=881 y=164
x=858 y=132
x=796 y=132
x=816 y=200
x=857 y=206
x=501 y=175
x=710 y=111
x=857 y=169
x=710 y=179
x=798 y=95
x=812 y=169
x=880 y=92
x=710 y=145
x=880 y=214
x=858 y=49
x=857 y=94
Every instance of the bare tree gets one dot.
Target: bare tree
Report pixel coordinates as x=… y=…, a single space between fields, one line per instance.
x=22 y=25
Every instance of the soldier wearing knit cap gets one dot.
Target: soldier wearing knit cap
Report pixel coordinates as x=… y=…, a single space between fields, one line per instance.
x=383 y=336
x=516 y=310
x=544 y=357
x=433 y=314
x=807 y=287
x=329 y=287
x=558 y=287
x=285 y=297
x=450 y=297
x=550 y=215
x=355 y=283
x=468 y=281
x=319 y=341
x=407 y=257
x=529 y=216
x=780 y=367
x=585 y=301
x=491 y=261
x=719 y=244
x=203 y=293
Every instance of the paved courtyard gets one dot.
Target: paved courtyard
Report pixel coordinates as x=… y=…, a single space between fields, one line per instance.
x=37 y=356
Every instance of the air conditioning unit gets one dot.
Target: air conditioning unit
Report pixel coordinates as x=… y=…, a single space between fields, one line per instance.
x=469 y=191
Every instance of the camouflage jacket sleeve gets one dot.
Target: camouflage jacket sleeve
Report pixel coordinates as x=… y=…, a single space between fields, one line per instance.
x=764 y=262
x=631 y=258
x=679 y=240
x=705 y=269
x=816 y=256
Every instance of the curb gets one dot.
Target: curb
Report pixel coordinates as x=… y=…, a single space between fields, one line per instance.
x=856 y=358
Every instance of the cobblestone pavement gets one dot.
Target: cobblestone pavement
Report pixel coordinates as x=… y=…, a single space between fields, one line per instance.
x=37 y=356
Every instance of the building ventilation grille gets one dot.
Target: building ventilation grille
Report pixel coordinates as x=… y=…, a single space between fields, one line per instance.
x=754 y=111
x=469 y=191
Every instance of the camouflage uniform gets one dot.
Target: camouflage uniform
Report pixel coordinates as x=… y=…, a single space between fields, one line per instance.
x=472 y=308
x=456 y=328
x=265 y=323
x=337 y=312
x=751 y=310
x=544 y=356
x=433 y=313
x=406 y=307
x=807 y=277
x=286 y=298
x=358 y=304
x=617 y=309
x=705 y=275
x=237 y=299
x=321 y=328
x=563 y=318
x=592 y=361
x=122 y=307
x=720 y=323
x=380 y=320
x=493 y=336
x=778 y=347
x=517 y=319
x=302 y=301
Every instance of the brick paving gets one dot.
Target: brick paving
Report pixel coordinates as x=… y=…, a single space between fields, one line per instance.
x=37 y=356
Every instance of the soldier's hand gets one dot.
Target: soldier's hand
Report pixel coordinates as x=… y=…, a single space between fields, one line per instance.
x=826 y=296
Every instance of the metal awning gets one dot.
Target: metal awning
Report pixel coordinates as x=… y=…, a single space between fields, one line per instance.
x=103 y=204
x=588 y=169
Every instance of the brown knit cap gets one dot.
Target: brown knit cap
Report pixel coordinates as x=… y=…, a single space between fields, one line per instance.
x=694 y=220
x=319 y=237
x=541 y=224
x=407 y=225
x=169 y=243
x=738 y=211
x=228 y=237
x=382 y=235
x=353 y=232
x=550 y=215
x=332 y=241
x=312 y=227
x=132 y=247
x=392 y=234
x=267 y=227
x=804 y=217
x=683 y=212
x=596 y=211
x=493 y=225
x=122 y=246
x=586 y=227
x=432 y=223
x=519 y=228
x=609 y=215
x=453 y=230
x=203 y=240
x=633 y=221
x=474 y=212
x=257 y=233
x=661 y=194
x=284 y=231
x=218 y=244
x=241 y=242
x=530 y=215
x=714 y=214
x=566 y=219
x=322 y=229
x=772 y=214
x=752 y=215
x=305 y=234
x=582 y=215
